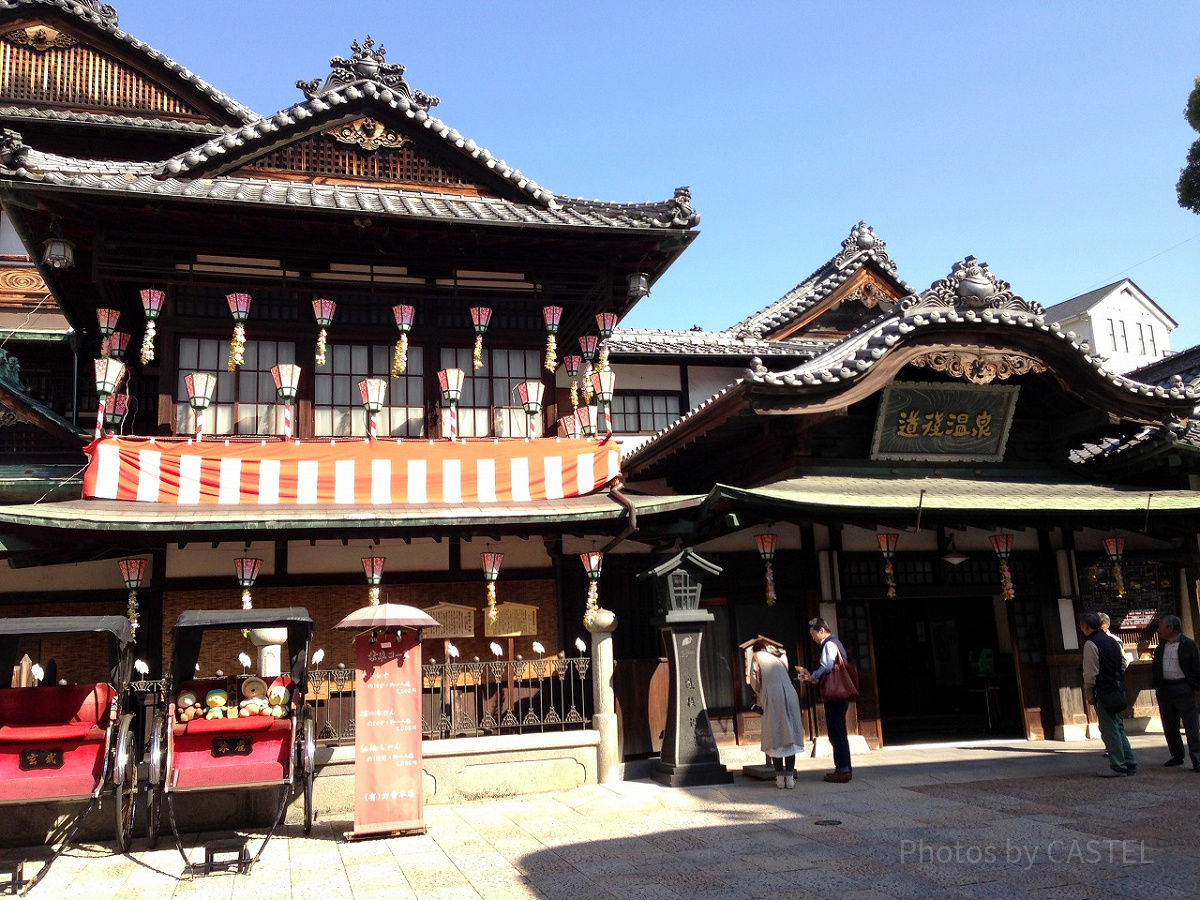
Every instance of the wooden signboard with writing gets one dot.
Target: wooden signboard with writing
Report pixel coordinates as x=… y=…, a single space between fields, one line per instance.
x=457 y=621
x=944 y=422
x=387 y=735
x=512 y=620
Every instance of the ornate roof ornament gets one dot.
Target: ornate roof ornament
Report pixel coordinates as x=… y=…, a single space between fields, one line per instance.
x=366 y=64
x=682 y=214
x=979 y=367
x=367 y=133
x=12 y=150
x=862 y=239
x=971 y=286
x=40 y=37
x=103 y=10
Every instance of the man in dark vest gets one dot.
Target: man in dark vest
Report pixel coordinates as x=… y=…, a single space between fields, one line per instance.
x=1104 y=687
x=1176 y=678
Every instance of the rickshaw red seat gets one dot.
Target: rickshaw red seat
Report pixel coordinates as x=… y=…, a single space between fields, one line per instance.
x=230 y=726
x=39 y=715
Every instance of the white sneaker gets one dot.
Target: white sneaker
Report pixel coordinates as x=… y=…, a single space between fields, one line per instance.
x=789 y=781
x=779 y=781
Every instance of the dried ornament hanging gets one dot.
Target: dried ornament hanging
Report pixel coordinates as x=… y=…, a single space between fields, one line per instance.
x=1115 y=549
x=152 y=302
x=323 y=309
x=572 y=363
x=404 y=321
x=592 y=561
x=239 y=305
x=552 y=315
x=587 y=346
x=247 y=568
x=491 y=571
x=133 y=570
x=766 y=549
x=373 y=569
x=887 y=546
x=480 y=317
x=1002 y=544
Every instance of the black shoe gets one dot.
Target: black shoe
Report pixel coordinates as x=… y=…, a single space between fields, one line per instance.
x=1132 y=770
x=1173 y=762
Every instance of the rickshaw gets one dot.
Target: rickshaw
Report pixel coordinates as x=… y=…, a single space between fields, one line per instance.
x=195 y=750
x=69 y=743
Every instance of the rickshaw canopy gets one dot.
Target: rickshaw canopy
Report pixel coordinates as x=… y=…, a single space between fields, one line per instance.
x=192 y=623
x=120 y=657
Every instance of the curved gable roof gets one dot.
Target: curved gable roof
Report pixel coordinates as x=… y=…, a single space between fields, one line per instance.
x=100 y=18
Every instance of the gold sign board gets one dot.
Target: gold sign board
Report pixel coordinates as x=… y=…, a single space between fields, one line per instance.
x=512 y=620
x=457 y=621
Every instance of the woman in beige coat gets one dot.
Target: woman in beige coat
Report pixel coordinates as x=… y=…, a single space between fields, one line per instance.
x=782 y=728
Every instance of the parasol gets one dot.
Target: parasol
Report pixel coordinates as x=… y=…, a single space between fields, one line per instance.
x=387 y=615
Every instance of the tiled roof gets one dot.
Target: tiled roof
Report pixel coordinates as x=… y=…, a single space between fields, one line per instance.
x=860 y=247
x=1070 y=308
x=96 y=19
x=106 y=176
x=970 y=295
x=59 y=115
x=1184 y=365
x=1120 y=453
x=704 y=343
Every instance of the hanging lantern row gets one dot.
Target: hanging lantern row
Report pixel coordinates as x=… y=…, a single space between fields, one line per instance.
x=373 y=391
x=152 y=303
x=109 y=373
x=766 y=549
x=200 y=387
x=481 y=317
x=451 y=383
x=247 y=570
x=287 y=384
x=552 y=316
x=1002 y=544
x=593 y=561
x=1115 y=549
x=323 y=310
x=887 y=546
x=580 y=424
x=404 y=315
x=133 y=570
x=531 y=393
x=373 y=569
x=491 y=571
x=239 y=306
x=587 y=348
x=606 y=323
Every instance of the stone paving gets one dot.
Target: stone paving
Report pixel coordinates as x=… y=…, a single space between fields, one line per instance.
x=1012 y=821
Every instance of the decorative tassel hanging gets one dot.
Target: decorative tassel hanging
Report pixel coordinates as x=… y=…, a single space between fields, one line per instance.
x=239 y=305
x=766 y=549
x=323 y=309
x=572 y=363
x=587 y=346
x=606 y=322
x=404 y=321
x=481 y=316
x=491 y=571
x=593 y=561
x=1002 y=544
x=552 y=315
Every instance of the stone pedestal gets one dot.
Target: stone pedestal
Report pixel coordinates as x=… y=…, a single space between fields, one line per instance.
x=689 y=753
x=269 y=642
x=604 y=715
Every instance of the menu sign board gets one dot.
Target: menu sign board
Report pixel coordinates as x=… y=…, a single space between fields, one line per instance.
x=944 y=422
x=387 y=734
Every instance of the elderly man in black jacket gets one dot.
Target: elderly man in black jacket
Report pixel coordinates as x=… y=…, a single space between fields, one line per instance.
x=1176 y=678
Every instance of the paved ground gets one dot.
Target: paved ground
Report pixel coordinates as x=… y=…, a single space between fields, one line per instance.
x=1013 y=821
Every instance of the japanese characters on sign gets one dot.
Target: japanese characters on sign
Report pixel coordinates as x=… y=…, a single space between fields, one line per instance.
x=944 y=422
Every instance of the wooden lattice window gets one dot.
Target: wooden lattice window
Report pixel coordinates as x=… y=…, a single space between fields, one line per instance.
x=322 y=155
x=79 y=76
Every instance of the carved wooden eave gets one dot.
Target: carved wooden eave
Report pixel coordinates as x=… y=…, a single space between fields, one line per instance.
x=979 y=366
x=866 y=287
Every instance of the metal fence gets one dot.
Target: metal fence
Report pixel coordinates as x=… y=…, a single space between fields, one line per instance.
x=469 y=699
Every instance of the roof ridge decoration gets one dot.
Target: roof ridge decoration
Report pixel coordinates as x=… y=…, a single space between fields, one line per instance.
x=971 y=285
x=367 y=64
x=862 y=240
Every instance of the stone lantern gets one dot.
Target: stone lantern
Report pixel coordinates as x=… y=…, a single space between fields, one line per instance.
x=689 y=753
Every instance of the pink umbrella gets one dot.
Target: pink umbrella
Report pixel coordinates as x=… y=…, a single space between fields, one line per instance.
x=387 y=615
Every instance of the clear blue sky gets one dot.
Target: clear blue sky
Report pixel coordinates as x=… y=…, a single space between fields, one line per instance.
x=1044 y=138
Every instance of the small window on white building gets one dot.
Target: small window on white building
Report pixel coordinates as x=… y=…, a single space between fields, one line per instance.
x=1124 y=338
x=1112 y=335
x=1141 y=337
x=1150 y=334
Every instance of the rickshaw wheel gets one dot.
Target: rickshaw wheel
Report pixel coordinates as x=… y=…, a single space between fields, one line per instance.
x=125 y=784
x=309 y=769
x=154 y=787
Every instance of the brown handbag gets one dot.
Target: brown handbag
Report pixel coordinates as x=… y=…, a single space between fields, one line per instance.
x=840 y=684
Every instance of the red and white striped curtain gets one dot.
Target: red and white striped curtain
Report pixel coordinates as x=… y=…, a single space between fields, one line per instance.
x=350 y=472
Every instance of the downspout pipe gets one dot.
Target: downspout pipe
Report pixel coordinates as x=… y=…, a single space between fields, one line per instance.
x=631 y=526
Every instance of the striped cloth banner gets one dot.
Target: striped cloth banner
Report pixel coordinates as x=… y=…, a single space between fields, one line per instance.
x=362 y=473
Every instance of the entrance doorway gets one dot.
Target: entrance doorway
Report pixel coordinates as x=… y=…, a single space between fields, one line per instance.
x=944 y=668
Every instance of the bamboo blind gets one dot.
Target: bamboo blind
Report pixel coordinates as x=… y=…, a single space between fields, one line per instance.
x=80 y=76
